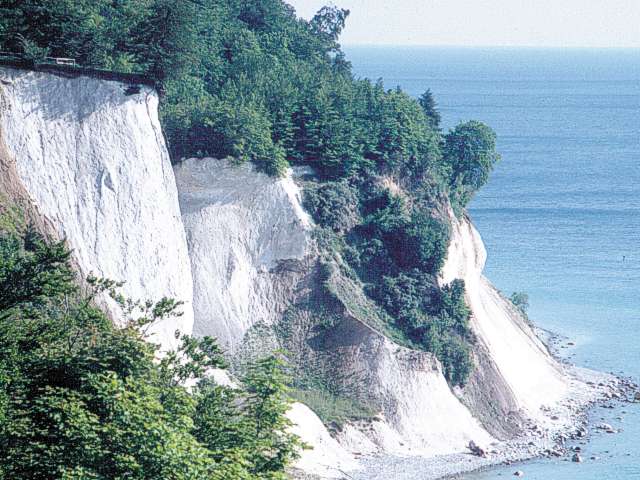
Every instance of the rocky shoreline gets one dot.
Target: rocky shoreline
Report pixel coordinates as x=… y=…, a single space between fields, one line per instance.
x=598 y=390
x=561 y=432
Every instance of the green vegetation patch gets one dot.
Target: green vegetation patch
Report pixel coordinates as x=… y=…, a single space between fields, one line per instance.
x=11 y=216
x=334 y=411
x=349 y=292
x=382 y=261
x=83 y=399
x=520 y=300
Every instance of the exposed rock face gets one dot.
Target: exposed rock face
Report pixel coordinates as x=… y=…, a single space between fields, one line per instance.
x=533 y=377
x=418 y=412
x=247 y=234
x=327 y=458
x=248 y=239
x=254 y=264
x=94 y=163
x=249 y=242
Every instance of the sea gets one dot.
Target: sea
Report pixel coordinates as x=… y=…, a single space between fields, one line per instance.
x=560 y=215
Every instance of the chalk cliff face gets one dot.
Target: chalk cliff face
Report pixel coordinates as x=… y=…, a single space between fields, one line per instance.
x=257 y=283
x=253 y=261
x=533 y=376
x=327 y=458
x=237 y=246
x=418 y=414
x=94 y=163
x=246 y=233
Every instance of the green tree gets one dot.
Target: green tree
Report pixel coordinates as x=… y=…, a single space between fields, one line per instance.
x=427 y=242
x=430 y=108
x=470 y=154
x=83 y=399
x=32 y=271
x=167 y=39
x=328 y=23
x=272 y=446
x=334 y=205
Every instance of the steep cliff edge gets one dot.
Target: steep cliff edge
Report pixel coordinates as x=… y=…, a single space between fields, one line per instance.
x=534 y=378
x=262 y=283
x=518 y=387
x=93 y=162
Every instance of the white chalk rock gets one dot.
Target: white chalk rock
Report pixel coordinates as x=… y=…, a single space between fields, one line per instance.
x=534 y=376
x=325 y=457
x=420 y=415
x=241 y=226
x=95 y=163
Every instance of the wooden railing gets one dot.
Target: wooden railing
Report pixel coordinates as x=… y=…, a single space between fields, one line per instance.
x=69 y=67
x=62 y=61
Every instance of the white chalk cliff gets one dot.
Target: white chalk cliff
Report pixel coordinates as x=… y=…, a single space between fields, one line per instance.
x=241 y=226
x=418 y=412
x=535 y=378
x=94 y=162
x=237 y=246
x=327 y=458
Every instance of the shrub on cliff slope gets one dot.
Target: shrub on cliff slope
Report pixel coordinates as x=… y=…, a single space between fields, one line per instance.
x=396 y=247
x=520 y=300
x=334 y=205
x=82 y=399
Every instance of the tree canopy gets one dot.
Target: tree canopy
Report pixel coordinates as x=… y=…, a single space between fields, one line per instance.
x=83 y=399
x=246 y=79
x=430 y=108
x=470 y=155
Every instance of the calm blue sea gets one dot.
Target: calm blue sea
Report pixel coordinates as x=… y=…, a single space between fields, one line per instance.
x=561 y=214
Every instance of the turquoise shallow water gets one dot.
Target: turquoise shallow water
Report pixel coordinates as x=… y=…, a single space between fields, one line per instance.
x=560 y=216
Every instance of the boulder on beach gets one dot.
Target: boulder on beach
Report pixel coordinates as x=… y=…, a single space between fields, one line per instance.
x=477 y=450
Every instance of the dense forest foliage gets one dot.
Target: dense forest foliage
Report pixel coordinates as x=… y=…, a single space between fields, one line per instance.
x=82 y=399
x=249 y=80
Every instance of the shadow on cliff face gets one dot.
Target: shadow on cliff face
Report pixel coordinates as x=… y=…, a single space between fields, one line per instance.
x=65 y=97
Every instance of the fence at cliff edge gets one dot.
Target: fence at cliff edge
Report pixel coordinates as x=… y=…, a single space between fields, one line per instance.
x=73 y=70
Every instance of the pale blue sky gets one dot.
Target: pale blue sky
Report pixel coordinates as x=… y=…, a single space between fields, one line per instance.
x=559 y=23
